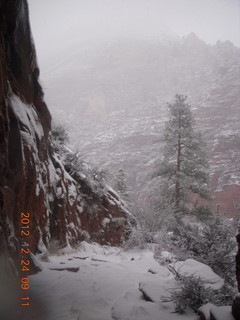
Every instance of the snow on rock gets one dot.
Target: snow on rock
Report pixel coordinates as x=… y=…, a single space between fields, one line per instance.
x=191 y=267
x=126 y=308
x=211 y=312
x=103 y=286
x=96 y=250
x=221 y=313
x=166 y=257
x=161 y=271
x=204 y=310
x=153 y=292
x=64 y=213
x=105 y=221
x=131 y=307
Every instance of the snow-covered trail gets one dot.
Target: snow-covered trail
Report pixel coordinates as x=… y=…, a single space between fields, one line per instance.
x=102 y=283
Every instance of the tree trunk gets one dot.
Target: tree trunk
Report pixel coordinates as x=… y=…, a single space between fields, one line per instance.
x=177 y=194
x=177 y=185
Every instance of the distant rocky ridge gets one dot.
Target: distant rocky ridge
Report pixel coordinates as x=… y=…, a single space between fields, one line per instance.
x=117 y=106
x=33 y=180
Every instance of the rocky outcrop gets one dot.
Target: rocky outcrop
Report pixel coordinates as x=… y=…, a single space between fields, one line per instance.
x=33 y=180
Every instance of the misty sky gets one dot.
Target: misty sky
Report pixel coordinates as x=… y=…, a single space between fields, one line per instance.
x=58 y=24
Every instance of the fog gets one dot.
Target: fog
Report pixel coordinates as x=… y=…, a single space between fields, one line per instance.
x=61 y=24
x=109 y=67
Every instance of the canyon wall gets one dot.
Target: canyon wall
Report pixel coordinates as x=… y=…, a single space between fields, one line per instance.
x=33 y=179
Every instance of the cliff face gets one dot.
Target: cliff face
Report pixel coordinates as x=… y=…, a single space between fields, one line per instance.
x=33 y=179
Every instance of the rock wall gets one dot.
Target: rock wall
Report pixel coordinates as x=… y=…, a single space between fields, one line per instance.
x=33 y=179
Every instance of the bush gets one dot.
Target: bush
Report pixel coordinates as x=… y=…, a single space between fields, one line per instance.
x=193 y=293
x=212 y=244
x=73 y=163
x=218 y=247
x=151 y=212
x=91 y=179
x=203 y=213
x=60 y=138
x=138 y=239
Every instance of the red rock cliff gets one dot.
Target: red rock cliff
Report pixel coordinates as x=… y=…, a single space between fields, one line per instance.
x=32 y=177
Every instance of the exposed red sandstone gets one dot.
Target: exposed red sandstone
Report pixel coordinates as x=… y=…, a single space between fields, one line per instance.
x=32 y=177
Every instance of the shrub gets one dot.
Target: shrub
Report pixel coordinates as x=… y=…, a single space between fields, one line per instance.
x=203 y=213
x=152 y=212
x=212 y=244
x=193 y=293
x=138 y=238
x=218 y=246
x=91 y=179
x=60 y=138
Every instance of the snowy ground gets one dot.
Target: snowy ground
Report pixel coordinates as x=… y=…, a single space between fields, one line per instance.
x=102 y=283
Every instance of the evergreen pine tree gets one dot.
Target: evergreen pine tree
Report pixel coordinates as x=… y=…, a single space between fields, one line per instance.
x=184 y=166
